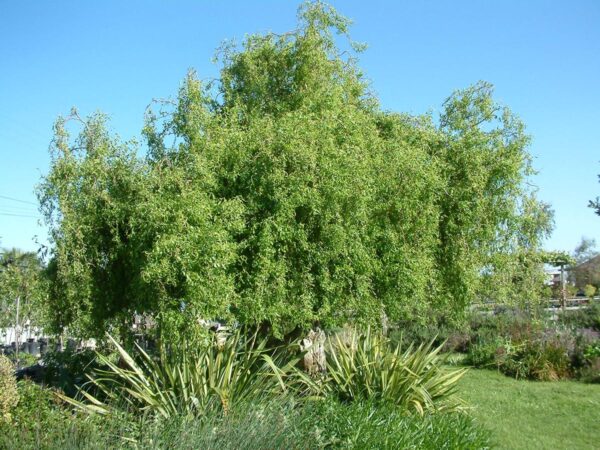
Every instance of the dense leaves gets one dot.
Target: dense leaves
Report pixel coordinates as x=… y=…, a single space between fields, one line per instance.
x=282 y=196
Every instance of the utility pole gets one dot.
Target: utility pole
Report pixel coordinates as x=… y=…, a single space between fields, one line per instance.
x=563 y=290
x=17 y=329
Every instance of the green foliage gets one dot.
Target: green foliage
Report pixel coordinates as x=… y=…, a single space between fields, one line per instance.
x=589 y=290
x=536 y=359
x=523 y=347
x=376 y=426
x=23 y=359
x=185 y=382
x=592 y=351
x=65 y=370
x=590 y=367
x=582 y=318
x=482 y=354
x=558 y=258
x=40 y=421
x=436 y=327
x=590 y=372
x=318 y=425
x=9 y=397
x=281 y=196
x=262 y=423
x=36 y=403
x=265 y=423
x=368 y=367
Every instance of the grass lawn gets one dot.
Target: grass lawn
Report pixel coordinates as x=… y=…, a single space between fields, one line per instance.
x=534 y=415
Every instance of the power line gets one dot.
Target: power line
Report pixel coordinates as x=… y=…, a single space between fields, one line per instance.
x=6 y=209
x=17 y=200
x=5 y=204
x=19 y=215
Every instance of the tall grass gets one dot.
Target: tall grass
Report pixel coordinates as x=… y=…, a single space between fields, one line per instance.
x=260 y=424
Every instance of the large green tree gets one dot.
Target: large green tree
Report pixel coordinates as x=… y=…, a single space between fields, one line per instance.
x=283 y=196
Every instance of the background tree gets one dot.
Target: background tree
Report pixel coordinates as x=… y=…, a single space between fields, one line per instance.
x=585 y=250
x=22 y=291
x=595 y=204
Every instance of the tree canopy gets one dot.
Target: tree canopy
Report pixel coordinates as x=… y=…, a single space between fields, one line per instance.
x=281 y=195
x=585 y=269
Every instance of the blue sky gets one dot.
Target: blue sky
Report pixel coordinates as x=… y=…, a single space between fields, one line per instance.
x=115 y=56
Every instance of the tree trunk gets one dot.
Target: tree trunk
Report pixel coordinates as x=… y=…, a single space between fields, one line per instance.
x=314 y=346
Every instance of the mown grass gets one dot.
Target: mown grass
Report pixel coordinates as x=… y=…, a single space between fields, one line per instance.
x=533 y=414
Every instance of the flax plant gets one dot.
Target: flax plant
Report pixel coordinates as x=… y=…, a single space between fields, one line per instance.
x=186 y=383
x=368 y=367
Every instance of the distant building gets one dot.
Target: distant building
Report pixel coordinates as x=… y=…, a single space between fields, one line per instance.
x=588 y=272
x=553 y=277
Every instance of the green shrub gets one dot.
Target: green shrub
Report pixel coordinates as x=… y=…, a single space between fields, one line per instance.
x=42 y=421
x=523 y=347
x=23 y=360
x=369 y=367
x=38 y=406
x=9 y=396
x=590 y=372
x=439 y=329
x=582 y=318
x=66 y=370
x=589 y=290
x=482 y=354
x=592 y=350
x=541 y=357
x=536 y=361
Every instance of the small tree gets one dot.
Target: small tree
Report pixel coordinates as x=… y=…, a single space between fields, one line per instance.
x=22 y=290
